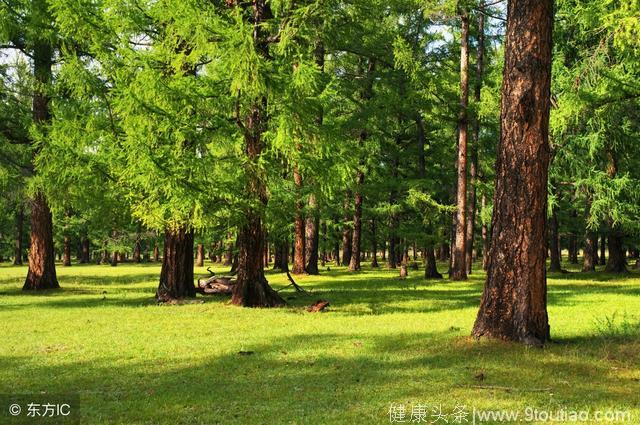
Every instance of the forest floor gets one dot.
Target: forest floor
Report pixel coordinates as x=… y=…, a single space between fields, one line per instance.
x=383 y=344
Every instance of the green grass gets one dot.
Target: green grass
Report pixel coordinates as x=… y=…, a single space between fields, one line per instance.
x=382 y=341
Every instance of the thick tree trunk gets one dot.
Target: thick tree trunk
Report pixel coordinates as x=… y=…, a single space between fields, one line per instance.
x=42 y=267
x=431 y=268
x=115 y=258
x=459 y=252
x=66 y=252
x=252 y=288
x=17 y=255
x=514 y=301
x=554 y=243
x=312 y=237
x=590 y=252
x=176 y=275
x=616 y=262
x=200 y=255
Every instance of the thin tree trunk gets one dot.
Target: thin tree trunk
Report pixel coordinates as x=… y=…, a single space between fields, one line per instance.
x=156 y=254
x=17 y=256
x=471 y=214
x=346 y=234
x=176 y=275
x=459 y=252
x=66 y=252
x=298 y=240
x=485 y=238
x=603 y=251
x=200 y=255
x=554 y=243
x=312 y=237
x=374 y=244
x=590 y=252
x=514 y=301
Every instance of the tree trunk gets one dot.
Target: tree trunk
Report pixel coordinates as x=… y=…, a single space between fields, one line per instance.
x=200 y=255
x=590 y=252
x=346 y=234
x=156 y=254
x=115 y=257
x=228 y=254
x=42 y=267
x=459 y=252
x=299 y=230
x=603 y=251
x=431 y=268
x=17 y=255
x=554 y=243
x=85 y=250
x=471 y=214
x=485 y=238
x=176 y=275
x=374 y=244
x=66 y=252
x=616 y=262
x=312 y=237
x=354 y=264
x=514 y=301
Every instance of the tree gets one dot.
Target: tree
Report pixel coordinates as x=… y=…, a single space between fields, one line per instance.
x=514 y=301
x=459 y=249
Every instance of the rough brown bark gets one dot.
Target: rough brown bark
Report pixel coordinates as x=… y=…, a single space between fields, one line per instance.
x=17 y=255
x=176 y=275
x=200 y=255
x=459 y=251
x=42 y=268
x=252 y=289
x=514 y=301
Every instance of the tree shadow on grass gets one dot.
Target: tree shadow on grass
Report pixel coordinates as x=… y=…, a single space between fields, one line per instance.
x=329 y=378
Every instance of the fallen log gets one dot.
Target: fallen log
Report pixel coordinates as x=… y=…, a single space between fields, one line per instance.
x=216 y=285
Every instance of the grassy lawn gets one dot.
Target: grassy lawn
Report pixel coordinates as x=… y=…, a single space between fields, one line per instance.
x=382 y=341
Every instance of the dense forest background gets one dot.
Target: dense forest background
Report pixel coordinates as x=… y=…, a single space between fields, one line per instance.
x=297 y=134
